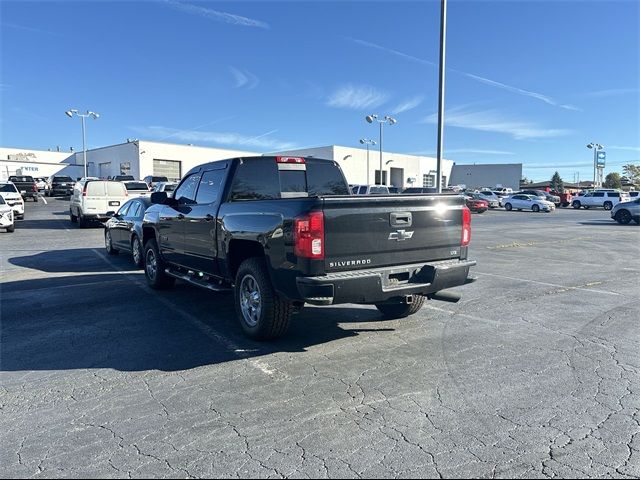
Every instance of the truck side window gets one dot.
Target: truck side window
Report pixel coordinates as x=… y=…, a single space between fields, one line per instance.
x=210 y=186
x=256 y=180
x=186 y=192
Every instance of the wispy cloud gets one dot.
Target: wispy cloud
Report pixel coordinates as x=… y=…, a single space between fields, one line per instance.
x=392 y=51
x=617 y=147
x=27 y=28
x=244 y=78
x=612 y=92
x=520 y=91
x=408 y=104
x=262 y=141
x=217 y=15
x=357 y=97
x=510 y=88
x=495 y=121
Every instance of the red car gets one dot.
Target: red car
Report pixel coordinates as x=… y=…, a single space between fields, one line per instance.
x=476 y=204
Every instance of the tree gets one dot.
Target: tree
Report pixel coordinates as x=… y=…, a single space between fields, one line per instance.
x=612 y=180
x=632 y=172
x=556 y=183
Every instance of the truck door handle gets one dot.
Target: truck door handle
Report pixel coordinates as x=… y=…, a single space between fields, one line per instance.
x=180 y=216
x=208 y=217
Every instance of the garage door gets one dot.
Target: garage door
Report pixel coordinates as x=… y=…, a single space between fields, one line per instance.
x=167 y=168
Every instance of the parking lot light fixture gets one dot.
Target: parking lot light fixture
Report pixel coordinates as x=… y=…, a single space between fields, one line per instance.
x=595 y=147
x=387 y=119
x=95 y=116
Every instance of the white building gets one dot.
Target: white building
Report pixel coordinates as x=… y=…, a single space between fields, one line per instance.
x=37 y=163
x=141 y=158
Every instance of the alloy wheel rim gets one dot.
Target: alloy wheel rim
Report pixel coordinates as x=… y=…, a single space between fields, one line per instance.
x=151 y=265
x=250 y=300
x=136 y=251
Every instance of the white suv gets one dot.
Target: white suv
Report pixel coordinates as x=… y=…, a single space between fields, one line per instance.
x=95 y=200
x=12 y=197
x=606 y=199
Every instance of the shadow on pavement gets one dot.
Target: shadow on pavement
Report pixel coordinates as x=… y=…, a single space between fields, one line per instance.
x=44 y=224
x=78 y=260
x=108 y=321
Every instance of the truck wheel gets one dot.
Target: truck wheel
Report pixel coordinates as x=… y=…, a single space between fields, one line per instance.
x=263 y=314
x=576 y=205
x=608 y=205
x=72 y=217
x=108 y=243
x=154 y=267
x=11 y=229
x=507 y=207
x=401 y=310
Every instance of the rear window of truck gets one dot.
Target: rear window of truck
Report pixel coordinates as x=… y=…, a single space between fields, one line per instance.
x=260 y=179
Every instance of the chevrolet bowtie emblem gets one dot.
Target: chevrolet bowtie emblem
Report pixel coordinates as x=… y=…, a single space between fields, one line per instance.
x=400 y=235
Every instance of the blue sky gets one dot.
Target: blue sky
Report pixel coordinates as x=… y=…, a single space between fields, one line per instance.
x=530 y=82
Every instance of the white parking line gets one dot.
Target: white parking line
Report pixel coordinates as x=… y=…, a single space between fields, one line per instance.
x=229 y=345
x=566 y=287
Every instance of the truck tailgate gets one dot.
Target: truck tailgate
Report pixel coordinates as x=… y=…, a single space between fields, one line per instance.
x=375 y=231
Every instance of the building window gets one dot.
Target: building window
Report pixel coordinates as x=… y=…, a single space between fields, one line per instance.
x=444 y=181
x=125 y=168
x=428 y=180
x=384 y=177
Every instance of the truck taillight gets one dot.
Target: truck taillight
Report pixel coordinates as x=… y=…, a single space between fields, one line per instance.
x=309 y=236
x=84 y=191
x=289 y=160
x=466 y=226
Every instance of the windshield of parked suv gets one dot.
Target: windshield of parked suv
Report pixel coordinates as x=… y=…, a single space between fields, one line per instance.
x=8 y=187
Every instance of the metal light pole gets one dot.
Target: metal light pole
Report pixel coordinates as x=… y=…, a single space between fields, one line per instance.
x=95 y=116
x=443 y=43
x=367 y=142
x=387 y=119
x=595 y=147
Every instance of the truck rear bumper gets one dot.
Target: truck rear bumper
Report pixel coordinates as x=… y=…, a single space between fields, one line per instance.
x=386 y=284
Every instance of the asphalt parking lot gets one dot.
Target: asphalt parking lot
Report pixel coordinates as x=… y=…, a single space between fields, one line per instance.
x=535 y=372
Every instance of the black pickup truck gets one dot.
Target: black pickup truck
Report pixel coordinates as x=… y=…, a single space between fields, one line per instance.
x=284 y=231
x=26 y=185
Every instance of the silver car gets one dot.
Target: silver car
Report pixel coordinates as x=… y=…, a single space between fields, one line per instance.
x=624 y=212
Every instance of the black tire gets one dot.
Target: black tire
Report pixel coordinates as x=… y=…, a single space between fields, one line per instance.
x=508 y=207
x=623 y=217
x=72 y=217
x=535 y=208
x=82 y=222
x=108 y=243
x=608 y=205
x=267 y=315
x=565 y=204
x=157 y=278
x=137 y=252
x=637 y=220
x=586 y=207
x=401 y=310
x=20 y=217
x=11 y=229
x=576 y=205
